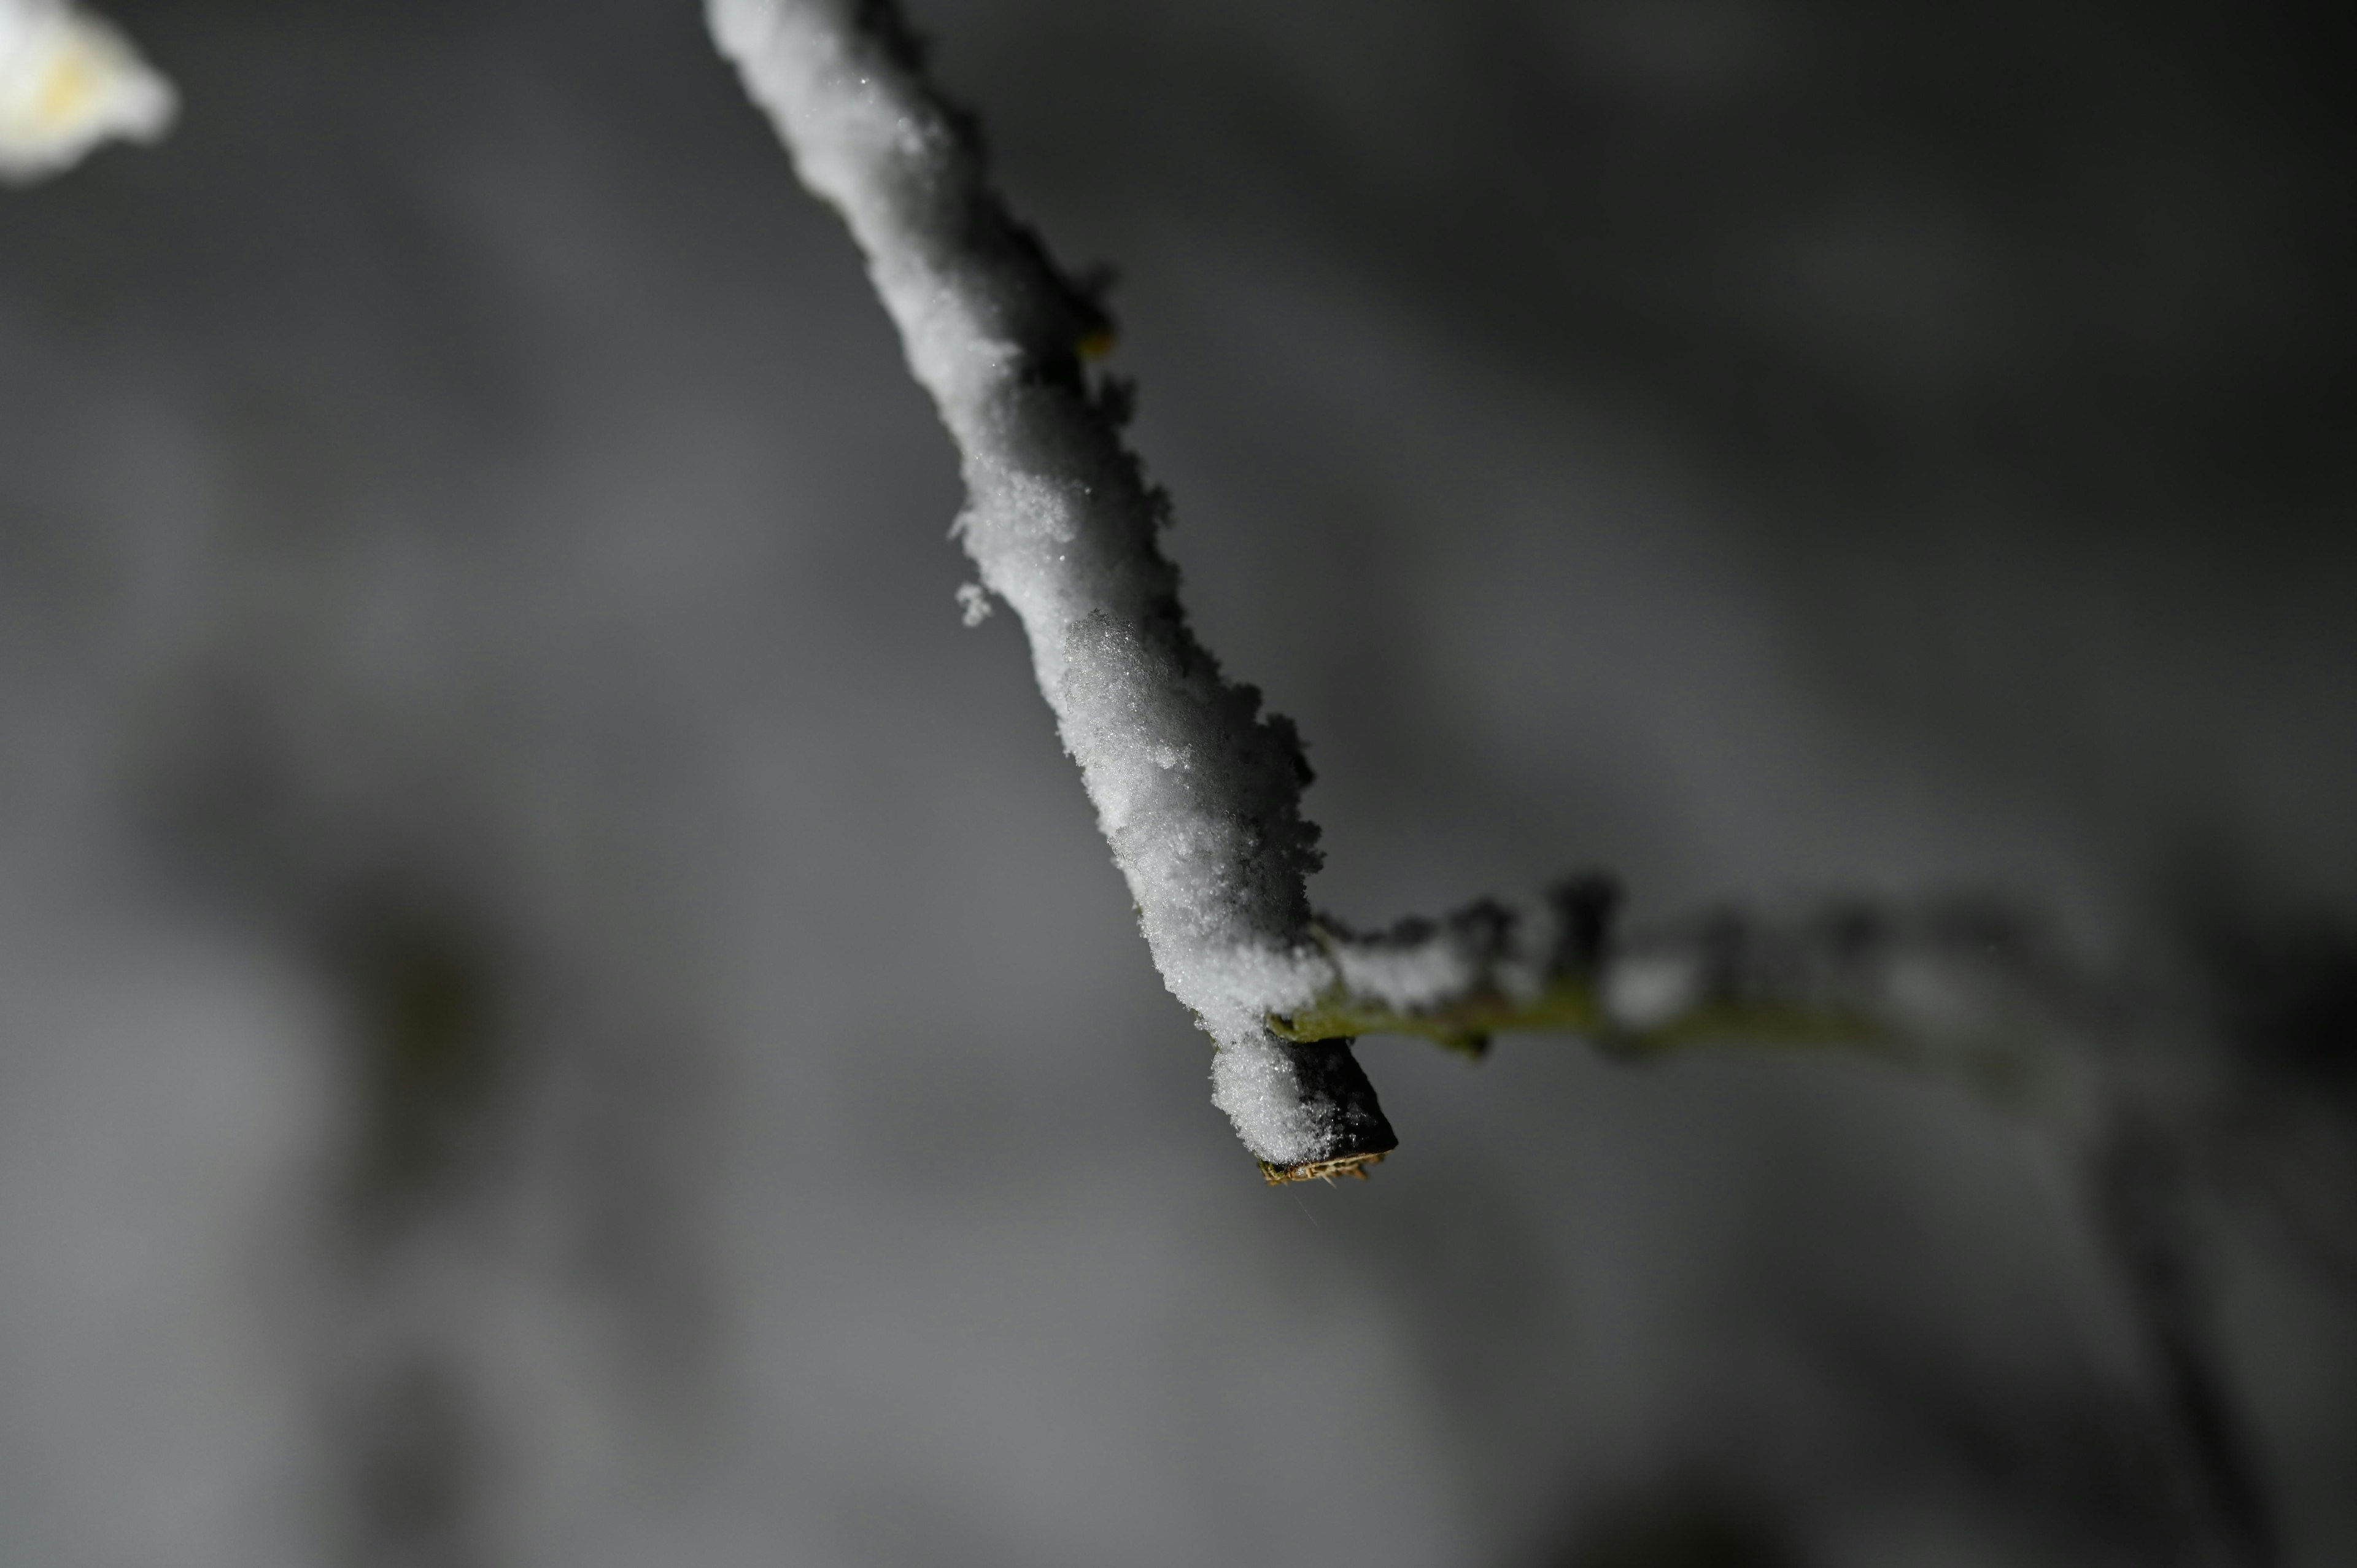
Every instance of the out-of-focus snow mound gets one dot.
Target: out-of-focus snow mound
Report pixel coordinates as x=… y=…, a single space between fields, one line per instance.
x=68 y=81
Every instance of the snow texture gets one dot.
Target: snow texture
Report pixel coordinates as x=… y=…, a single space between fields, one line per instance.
x=69 y=82
x=1197 y=792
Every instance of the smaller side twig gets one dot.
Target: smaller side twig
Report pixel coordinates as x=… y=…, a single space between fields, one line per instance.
x=1955 y=991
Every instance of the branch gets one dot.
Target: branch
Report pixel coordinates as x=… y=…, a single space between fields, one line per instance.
x=1957 y=990
x=1197 y=792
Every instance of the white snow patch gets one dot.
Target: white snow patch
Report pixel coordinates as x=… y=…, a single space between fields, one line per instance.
x=1408 y=978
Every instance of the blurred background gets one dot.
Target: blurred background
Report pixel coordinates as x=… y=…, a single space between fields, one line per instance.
x=555 y=1007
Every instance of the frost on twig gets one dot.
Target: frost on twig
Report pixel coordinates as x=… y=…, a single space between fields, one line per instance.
x=69 y=82
x=1197 y=791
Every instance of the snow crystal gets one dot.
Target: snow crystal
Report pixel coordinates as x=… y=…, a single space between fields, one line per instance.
x=974 y=603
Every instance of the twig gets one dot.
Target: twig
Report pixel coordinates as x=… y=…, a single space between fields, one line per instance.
x=1197 y=792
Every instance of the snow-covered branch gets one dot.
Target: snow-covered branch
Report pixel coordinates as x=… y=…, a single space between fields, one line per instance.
x=1958 y=990
x=1197 y=791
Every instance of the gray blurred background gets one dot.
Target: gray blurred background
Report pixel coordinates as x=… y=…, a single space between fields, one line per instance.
x=556 y=1008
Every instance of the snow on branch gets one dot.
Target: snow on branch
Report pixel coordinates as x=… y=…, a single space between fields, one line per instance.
x=1960 y=989
x=1199 y=791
